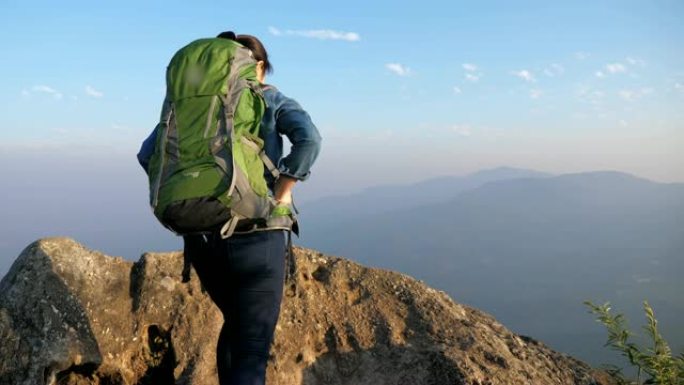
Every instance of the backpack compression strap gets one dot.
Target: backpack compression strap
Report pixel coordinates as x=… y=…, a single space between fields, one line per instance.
x=264 y=158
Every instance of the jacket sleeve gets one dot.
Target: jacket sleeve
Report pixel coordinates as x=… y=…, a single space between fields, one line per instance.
x=295 y=123
x=147 y=149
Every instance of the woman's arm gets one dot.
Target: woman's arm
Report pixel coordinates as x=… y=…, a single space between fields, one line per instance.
x=283 y=188
x=147 y=149
x=295 y=123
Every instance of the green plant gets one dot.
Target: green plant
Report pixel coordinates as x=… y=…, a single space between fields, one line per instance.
x=655 y=361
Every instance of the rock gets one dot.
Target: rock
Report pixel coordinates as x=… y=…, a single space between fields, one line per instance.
x=70 y=315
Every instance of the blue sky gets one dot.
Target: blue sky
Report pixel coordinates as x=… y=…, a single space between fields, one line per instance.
x=413 y=89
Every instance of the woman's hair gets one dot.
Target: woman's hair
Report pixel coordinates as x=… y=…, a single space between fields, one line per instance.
x=254 y=45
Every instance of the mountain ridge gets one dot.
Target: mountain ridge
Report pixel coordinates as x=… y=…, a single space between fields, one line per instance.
x=536 y=239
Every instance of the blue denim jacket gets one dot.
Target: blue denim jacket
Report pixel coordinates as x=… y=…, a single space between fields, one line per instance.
x=283 y=116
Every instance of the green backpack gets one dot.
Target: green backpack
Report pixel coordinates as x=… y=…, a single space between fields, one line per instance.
x=207 y=170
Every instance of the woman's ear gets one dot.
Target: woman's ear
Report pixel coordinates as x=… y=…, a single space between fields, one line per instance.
x=261 y=74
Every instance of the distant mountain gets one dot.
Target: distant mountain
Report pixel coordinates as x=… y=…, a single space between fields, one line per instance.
x=548 y=243
x=338 y=209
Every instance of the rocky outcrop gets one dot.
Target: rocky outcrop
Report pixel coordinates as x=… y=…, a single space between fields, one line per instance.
x=69 y=315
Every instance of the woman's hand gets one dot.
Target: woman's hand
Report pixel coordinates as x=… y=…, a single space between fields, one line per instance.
x=283 y=189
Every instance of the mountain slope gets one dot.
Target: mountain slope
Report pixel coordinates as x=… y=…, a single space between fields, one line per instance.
x=339 y=209
x=547 y=243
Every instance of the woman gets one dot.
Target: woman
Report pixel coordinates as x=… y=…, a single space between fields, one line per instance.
x=244 y=274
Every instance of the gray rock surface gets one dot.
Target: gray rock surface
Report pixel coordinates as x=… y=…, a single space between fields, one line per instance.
x=70 y=315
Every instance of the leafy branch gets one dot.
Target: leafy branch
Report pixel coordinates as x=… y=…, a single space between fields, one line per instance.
x=655 y=361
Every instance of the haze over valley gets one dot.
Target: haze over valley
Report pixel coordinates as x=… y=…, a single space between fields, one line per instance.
x=525 y=246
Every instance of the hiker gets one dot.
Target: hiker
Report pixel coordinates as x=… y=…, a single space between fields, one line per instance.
x=244 y=272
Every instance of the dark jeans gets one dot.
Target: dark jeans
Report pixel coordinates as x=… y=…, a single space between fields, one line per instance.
x=244 y=277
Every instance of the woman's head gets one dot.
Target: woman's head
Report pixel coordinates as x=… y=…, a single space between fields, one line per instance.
x=258 y=51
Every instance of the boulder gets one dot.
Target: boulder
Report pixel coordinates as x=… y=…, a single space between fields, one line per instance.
x=70 y=315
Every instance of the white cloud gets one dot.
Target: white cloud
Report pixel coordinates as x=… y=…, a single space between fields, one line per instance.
x=525 y=75
x=469 y=67
x=581 y=55
x=611 y=69
x=462 y=129
x=627 y=94
x=632 y=95
x=589 y=95
x=43 y=89
x=46 y=89
x=457 y=90
x=679 y=86
x=119 y=127
x=472 y=77
x=90 y=91
x=642 y=280
x=536 y=93
x=326 y=34
x=623 y=123
x=398 y=69
x=321 y=34
x=554 y=70
x=472 y=74
x=616 y=68
x=635 y=61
